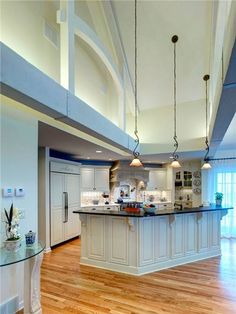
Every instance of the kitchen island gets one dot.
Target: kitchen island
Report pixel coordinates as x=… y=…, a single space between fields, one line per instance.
x=139 y=243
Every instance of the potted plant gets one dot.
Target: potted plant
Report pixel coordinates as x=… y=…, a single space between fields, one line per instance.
x=219 y=197
x=13 y=241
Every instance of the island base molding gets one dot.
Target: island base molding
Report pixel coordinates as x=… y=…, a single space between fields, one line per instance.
x=142 y=270
x=143 y=245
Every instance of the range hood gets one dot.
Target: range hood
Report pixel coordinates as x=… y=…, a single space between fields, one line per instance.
x=121 y=171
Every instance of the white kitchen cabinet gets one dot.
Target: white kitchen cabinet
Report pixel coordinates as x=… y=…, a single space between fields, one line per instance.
x=138 y=245
x=87 y=179
x=111 y=207
x=64 y=199
x=157 y=180
x=95 y=179
x=183 y=178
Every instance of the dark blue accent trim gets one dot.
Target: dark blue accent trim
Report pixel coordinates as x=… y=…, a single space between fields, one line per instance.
x=70 y=157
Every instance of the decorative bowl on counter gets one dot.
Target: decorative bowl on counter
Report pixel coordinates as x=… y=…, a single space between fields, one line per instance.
x=150 y=209
x=95 y=202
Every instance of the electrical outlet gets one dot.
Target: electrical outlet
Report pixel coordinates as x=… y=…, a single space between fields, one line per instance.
x=22 y=214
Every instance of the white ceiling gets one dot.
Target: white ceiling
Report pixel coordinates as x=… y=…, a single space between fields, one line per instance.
x=79 y=148
x=158 y=21
x=67 y=143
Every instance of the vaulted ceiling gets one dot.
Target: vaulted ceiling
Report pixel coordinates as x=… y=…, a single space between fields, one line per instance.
x=158 y=21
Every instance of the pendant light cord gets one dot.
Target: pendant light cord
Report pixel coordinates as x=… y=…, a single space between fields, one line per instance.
x=206 y=78
x=175 y=90
x=135 y=152
x=176 y=144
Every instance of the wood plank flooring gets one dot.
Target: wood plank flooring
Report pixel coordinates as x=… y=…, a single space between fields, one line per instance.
x=202 y=287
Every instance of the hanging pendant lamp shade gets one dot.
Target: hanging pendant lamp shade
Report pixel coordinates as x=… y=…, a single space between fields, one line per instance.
x=136 y=161
x=206 y=164
x=175 y=163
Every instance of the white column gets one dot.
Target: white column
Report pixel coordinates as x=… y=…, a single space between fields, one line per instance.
x=32 y=304
x=65 y=17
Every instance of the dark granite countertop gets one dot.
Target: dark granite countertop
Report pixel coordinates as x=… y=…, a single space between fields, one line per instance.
x=156 y=213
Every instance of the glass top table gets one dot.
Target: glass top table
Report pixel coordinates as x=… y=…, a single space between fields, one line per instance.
x=24 y=253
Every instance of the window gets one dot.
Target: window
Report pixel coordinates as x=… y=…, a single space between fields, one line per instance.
x=226 y=183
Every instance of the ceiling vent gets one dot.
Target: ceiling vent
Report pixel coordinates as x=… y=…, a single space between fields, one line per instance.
x=51 y=34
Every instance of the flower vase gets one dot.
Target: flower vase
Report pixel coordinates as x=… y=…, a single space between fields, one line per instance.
x=12 y=245
x=218 y=202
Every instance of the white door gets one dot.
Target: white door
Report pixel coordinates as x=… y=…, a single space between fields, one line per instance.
x=101 y=179
x=87 y=179
x=72 y=226
x=57 y=187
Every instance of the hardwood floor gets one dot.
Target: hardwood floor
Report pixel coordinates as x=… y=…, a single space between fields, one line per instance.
x=202 y=287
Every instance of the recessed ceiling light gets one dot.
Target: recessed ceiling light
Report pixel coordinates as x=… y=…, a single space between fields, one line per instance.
x=110 y=159
x=171 y=157
x=98 y=151
x=88 y=157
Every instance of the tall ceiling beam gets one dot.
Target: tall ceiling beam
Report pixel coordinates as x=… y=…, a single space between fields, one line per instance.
x=227 y=105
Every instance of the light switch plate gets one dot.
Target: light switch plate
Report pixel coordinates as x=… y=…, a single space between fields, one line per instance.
x=20 y=191
x=7 y=191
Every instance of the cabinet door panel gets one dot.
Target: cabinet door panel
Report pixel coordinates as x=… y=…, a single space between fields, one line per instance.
x=87 y=179
x=57 y=227
x=203 y=235
x=147 y=241
x=73 y=226
x=57 y=188
x=157 y=180
x=214 y=227
x=101 y=179
x=161 y=238
x=118 y=234
x=72 y=188
x=177 y=236
x=190 y=234
x=96 y=239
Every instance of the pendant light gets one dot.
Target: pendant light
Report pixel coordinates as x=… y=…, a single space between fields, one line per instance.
x=136 y=161
x=175 y=163
x=206 y=164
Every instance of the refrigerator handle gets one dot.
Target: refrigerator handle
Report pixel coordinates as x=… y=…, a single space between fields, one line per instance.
x=65 y=207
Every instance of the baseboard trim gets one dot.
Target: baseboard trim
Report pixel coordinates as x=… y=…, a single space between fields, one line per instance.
x=141 y=270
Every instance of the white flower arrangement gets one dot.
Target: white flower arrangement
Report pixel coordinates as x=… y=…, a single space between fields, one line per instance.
x=12 y=223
